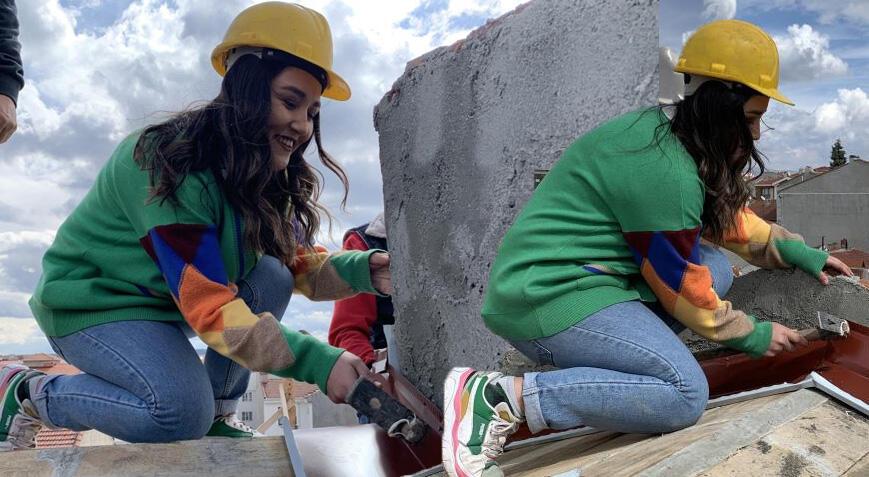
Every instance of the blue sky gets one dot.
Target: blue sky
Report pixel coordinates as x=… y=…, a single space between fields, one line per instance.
x=98 y=69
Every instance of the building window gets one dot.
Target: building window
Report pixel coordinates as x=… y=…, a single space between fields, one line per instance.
x=247 y=415
x=248 y=396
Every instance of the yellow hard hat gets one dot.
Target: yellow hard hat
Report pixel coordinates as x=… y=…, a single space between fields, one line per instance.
x=286 y=27
x=734 y=50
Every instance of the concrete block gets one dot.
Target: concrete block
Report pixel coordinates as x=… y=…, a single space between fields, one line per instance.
x=461 y=133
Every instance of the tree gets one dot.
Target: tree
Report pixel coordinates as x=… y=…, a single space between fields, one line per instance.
x=837 y=155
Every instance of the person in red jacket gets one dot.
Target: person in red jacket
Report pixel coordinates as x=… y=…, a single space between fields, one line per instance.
x=357 y=322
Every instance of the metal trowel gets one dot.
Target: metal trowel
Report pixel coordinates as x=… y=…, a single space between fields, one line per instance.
x=829 y=327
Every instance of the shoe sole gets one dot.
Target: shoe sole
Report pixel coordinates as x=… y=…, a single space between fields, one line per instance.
x=454 y=385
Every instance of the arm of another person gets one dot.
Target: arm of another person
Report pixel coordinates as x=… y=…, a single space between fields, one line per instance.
x=772 y=246
x=11 y=71
x=353 y=317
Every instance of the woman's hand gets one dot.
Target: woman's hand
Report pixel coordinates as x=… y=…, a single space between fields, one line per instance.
x=784 y=339
x=380 y=276
x=344 y=374
x=833 y=264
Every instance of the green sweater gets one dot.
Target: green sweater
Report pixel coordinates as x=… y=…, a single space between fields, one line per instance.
x=618 y=219
x=120 y=257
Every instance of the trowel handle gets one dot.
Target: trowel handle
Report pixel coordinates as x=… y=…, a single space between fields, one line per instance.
x=810 y=334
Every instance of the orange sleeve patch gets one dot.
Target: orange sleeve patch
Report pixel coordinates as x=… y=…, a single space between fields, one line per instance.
x=666 y=295
x=697 y=287
x=200 y=299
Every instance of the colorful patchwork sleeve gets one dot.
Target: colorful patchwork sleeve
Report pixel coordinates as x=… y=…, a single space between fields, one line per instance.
x=669 y=262
x=323 y=276
x=189 y=257
x=771 y=246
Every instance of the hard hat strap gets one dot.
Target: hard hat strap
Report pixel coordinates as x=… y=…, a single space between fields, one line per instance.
x=693 y=83
x=277 y=55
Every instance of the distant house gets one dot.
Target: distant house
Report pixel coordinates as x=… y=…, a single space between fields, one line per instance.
x=766 y=186
x=765 y=189
x=262 y=404
x=802 y=175
x=53 y=438
x=829 y=207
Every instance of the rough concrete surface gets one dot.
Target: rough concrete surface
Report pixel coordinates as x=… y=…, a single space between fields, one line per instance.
x=792 y=298
x=461 y=133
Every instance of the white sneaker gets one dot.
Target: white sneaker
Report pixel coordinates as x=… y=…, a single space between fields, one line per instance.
x=475 y=431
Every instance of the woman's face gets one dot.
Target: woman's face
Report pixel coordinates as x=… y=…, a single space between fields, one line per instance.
x=754 y=109
x=295 y=102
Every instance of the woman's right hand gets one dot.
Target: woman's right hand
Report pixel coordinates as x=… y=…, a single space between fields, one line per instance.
x=784 y=339
x=345 y=372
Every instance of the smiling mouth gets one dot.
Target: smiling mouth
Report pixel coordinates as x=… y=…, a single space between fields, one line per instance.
x=285 y=142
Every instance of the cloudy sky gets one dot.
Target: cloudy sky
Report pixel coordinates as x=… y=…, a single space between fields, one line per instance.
x=98 y=69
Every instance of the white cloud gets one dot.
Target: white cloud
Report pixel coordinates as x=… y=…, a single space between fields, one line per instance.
x=805 y=54
x=804 y=138
x=829 y=11
x=719 y=9
x=17 y=331
x=847 y=116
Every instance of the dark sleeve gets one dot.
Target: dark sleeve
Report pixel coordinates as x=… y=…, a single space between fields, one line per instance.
x=11 y=71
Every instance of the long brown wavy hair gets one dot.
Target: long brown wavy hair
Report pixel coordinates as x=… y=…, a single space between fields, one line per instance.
x=711 y=125
x=228 y=135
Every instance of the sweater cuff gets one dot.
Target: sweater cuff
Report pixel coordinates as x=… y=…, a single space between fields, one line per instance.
x=353 y=267
x=755 y=343
x=9 y=88
x=800 y=255
x=314 y=359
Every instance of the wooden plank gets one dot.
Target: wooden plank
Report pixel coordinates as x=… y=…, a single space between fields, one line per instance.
x=859 y=469
x=694 y=457
x=625 y=453
x=266 y=456
x=534 y=458
x=828 y=440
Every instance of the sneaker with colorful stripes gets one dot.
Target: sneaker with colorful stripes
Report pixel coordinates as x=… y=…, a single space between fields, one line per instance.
x=475 y=430
x=18 y=419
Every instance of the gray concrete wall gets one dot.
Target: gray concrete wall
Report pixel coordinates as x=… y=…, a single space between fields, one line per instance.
x=834 y=205
x=461 y=133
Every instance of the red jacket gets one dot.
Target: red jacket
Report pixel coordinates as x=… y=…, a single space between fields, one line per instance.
x=353 y=317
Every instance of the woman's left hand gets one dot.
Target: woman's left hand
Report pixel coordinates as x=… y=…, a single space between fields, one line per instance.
x=833 y=264
x=380 y=276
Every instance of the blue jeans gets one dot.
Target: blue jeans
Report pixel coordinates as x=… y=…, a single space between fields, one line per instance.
x=623 y=369
x=142 y=381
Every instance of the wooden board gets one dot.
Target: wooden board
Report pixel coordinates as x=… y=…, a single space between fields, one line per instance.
x=630 y=454
x=827 y=441
x=266 y=457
